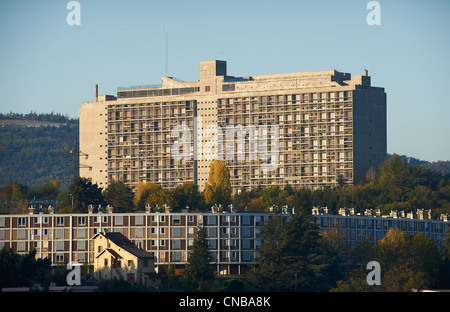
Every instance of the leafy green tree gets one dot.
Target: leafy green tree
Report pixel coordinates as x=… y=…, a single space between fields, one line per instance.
x=250 y=200
x=187 y=194
x=291 y=257
x=119 y=196
x=341 y=181
x=199 y=268
x=13 y=190
x=82 y=193
x=444 y=269
x=49 y=190
x=273 y=196
x=355 y=281
x=407 y=262
x=18 y=270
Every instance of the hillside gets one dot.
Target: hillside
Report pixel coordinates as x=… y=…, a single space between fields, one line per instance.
x=440 y=166
x=35 y=148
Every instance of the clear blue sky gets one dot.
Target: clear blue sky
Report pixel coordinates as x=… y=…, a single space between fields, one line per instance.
x=47 y=65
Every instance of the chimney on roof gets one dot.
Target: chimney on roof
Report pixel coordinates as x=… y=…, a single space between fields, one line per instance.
x=366 y=72
x=96 y=92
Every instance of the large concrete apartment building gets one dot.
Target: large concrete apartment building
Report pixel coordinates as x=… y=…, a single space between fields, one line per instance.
x=304 y=128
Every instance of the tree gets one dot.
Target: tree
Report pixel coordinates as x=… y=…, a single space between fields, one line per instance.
x=82 y=193
x=49 y=190
x=18 y=270
x=199 y=268
x=152 y=194
x=444 y=269
x=407 y=262
x=187 y=194
x=273 y=195
x=139 y=197
x=291 y=257
x=218 y=187
x=13 y=190
x=119 y=196
x=340 y=181
x=394 y=178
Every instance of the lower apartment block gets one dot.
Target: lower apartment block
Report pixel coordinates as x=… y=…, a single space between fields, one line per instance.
x=233 y=237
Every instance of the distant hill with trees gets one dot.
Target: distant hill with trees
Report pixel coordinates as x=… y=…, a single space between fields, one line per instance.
x=35 y=148
x=442 y=166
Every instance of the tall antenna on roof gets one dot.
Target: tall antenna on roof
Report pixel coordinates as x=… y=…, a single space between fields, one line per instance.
x=166 y=50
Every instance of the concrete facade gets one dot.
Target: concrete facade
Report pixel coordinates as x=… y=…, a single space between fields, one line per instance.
x=305 y=129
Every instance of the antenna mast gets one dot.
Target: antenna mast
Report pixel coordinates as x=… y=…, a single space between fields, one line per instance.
x=166 y=50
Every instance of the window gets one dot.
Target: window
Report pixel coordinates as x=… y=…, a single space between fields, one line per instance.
x=176 y=219
x=38 y=220
x=60 y=245
x=21 y=221
x=81 y=220
x=176 y=244
x=212 y=220
x=139 y=232
x=212 y=244
x=21 y=234
x=176 y=232
x=59 y=233
x=245 y=232
x=212 y=232
x=59 y=258
x=81 y=245
x=177 y=256
x=119 y=220
x=59 y=220
x=21 y=246
x=81 y=257
x=139 y=220
x=246 y=256
x=81 y=233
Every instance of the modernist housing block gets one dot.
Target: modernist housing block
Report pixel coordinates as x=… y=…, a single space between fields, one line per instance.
x=304 y=129
x=233 y=237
